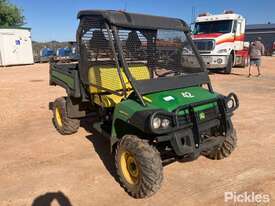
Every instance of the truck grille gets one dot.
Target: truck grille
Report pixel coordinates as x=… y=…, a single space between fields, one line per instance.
x=204 y=44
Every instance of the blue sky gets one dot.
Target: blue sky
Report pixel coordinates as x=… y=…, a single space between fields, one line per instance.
x=56 y=19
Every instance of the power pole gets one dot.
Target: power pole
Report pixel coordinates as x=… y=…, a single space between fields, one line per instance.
x=193 y=15
x=125 y=5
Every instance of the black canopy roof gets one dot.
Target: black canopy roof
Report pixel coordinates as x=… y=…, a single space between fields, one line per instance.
x=133 y=20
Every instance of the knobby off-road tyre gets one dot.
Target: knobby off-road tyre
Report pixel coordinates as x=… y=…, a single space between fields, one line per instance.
x=139 y=166
x=62 y=122
x=225 y=149
x=229 y=65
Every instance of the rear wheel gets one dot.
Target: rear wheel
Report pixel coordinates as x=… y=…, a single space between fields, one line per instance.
x=229 y=65
x=62 y=122
x=225 y=149
x=139 y=166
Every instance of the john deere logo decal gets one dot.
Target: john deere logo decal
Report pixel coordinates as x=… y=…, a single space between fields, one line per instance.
x=187 y=95
x=202 y=116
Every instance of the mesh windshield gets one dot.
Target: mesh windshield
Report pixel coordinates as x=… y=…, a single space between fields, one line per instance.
x=162 y=51
x=95 y=44
x=148 y=53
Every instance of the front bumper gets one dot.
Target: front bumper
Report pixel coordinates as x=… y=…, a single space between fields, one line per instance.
x=183 y=144
x=189 y=140
x=215 y=61
x=211 y=61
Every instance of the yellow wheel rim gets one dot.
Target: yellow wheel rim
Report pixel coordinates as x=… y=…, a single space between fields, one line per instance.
x=129 y=168
x=58 y=116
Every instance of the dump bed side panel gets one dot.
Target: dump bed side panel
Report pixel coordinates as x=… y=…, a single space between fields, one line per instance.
x=66 y=76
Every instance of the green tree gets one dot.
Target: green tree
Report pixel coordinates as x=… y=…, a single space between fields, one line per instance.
x=10 y=15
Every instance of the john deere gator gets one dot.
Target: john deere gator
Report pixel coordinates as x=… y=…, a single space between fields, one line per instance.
x=134 y=84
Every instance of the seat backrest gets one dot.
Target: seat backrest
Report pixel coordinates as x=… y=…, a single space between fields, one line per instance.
x=107 y=77
x=104 y=76
x=98 y=40
x=133 y=42
x=140 y=72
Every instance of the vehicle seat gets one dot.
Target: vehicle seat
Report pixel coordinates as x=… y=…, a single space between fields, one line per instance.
x=133 y=44
x=98 y=40
x=139 y=73
x=107 y=77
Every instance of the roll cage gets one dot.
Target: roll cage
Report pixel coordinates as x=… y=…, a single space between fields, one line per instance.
x=99 y=30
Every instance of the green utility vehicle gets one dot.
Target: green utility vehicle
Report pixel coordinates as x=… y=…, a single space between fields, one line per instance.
x=131 y=80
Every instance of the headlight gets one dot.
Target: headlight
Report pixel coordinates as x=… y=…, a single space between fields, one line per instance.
x=159 y=123
x=156 y=123
x=230 y=104
x=165 y=123
x=222 y=51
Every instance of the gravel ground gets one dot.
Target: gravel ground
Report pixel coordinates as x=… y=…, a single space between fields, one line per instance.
x=38 y=165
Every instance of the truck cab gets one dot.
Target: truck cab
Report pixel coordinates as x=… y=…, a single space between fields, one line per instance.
x=220 y=40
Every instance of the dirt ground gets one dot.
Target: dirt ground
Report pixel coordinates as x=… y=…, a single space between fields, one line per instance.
x=38 y=165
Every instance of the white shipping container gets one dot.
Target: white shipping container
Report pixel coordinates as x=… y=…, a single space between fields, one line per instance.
x=15 y=46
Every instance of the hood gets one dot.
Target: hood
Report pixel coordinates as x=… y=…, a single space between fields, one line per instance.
x=172 y=99
x=207 y=36
x=220 y=37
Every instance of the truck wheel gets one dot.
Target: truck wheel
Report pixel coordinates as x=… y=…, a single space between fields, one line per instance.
x=225 y=149
x=62 y=122
x=139 y=166
x=229 y=66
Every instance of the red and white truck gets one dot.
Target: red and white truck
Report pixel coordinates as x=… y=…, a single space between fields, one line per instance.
x=220 y=40
x=273 y=49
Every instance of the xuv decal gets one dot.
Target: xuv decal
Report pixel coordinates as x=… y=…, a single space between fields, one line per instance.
x=187 y=95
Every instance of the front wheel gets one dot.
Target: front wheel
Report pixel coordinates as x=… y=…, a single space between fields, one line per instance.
x=229 y=65
x=225 y=149
x=139 y=166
